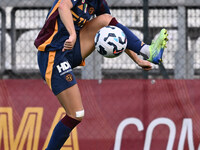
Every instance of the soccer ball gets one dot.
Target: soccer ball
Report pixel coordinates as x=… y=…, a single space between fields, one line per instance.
x=110 y=41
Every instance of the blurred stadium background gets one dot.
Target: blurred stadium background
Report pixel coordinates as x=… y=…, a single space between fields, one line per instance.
x=23 y=91
x=20 y=22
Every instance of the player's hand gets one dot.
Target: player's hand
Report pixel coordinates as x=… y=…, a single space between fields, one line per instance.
x=146 y=65
x=69 y=43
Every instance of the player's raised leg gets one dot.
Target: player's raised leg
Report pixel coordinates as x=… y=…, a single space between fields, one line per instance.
x=152 y=52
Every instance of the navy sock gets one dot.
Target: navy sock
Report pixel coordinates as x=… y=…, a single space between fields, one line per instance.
x=61 y=133
x=133 y=43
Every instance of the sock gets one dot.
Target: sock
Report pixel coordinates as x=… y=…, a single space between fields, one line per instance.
x=61 y=133
x=145 y=51
x=133 y=43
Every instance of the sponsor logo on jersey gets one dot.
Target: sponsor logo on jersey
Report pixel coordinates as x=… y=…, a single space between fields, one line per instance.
x=64 y=67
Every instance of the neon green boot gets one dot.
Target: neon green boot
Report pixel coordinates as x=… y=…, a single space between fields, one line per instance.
x=157 y=47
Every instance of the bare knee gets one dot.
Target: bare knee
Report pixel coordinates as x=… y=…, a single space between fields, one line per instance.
x=105 y=19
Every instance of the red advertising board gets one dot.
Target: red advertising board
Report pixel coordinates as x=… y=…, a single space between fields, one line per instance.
x=120 y=115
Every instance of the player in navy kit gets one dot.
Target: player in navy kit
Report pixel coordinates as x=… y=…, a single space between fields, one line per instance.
x=65 y=40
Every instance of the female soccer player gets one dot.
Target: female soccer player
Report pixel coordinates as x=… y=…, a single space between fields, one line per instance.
x=66 y=39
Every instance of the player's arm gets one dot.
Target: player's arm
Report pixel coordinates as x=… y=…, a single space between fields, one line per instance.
x=146 y=65
x=64 y=10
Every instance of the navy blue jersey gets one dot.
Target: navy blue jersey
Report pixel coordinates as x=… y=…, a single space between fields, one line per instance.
x=54 y=34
